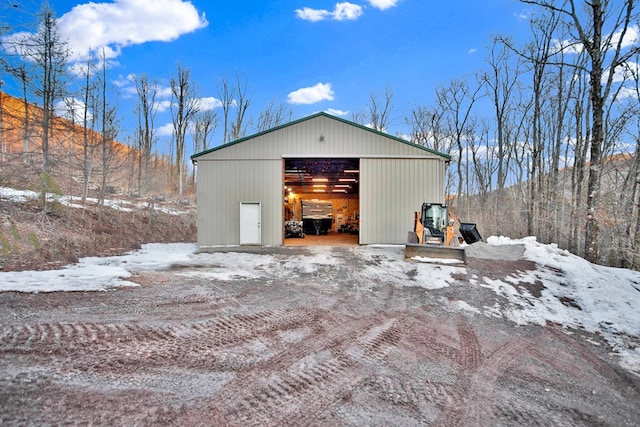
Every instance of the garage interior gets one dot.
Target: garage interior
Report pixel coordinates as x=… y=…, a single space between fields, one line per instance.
x=321 y=201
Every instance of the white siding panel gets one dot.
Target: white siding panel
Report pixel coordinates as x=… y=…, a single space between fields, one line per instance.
x=223 y=185
x=303 y=139
x=391 y=190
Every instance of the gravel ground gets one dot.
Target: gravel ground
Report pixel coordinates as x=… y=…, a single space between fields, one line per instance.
x=297 y=346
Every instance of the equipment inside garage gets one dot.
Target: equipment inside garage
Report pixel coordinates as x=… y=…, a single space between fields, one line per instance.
x=317 y=216
x=321 y=198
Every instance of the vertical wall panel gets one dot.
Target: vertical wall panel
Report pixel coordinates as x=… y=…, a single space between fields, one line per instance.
x=391 y=190
x=223 y=185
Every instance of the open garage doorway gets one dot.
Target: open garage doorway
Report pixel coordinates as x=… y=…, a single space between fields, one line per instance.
x=321 y=201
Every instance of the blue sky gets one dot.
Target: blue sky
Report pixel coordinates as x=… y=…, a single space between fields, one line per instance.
x=313 y=55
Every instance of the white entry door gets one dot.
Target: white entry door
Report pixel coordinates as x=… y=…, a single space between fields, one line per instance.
x=250 y=232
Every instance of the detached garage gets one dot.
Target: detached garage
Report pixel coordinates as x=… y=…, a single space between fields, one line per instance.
x=367 y=183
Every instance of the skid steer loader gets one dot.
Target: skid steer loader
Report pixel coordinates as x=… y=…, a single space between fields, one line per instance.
x=434 y=235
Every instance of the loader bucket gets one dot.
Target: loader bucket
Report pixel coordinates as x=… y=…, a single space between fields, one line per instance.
x=470 y=233
x=435 y=252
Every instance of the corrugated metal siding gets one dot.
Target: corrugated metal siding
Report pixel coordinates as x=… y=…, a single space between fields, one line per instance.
x=222 y=185
x=395 y=179
x=391 y=190
x=303 y=139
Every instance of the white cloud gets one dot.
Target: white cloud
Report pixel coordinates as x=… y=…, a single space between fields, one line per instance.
x=347 y=11
x=567 y=46
x=97 y=27
x=624 y=72
x=209 y=103
x=522 y=16
x=123 y=81
x=627 y=93
x=631 y=37
x=165 y=130
x=163 y=105
x=72 y=109
x=313 y=15
x=164 y=91
x=472 y=51
x=335 y=112
x=343 y=11
x=383 y=4
x=311 y=95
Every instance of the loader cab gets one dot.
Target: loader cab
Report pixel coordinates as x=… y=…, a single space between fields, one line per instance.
x=435 y=217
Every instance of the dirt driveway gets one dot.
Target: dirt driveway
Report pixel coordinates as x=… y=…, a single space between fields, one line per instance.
x=321 y=347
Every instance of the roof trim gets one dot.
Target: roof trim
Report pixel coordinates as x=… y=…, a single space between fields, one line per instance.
x=313 y=116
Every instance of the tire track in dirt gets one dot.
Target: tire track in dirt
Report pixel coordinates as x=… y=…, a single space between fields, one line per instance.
x=325 y=356
x=472 y=401
x=411 y=391
x=470 y=356
x=67 y=337
x=480 y=398
x=207 y=344
x=572 y=360
x=471 y=398
x=541 y=403
x=595 y=362
x=222 y=331
x=317 y=373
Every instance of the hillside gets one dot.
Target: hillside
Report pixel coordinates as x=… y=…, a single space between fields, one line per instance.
x=38 y=235
x=33 y=240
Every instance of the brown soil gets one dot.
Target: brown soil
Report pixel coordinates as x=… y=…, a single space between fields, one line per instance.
x=322 y=348
x=33 y=238
x=37 y=236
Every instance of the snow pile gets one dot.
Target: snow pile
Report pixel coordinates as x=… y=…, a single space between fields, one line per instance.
x=386 y=264
x=575 y=294
x=496 y=249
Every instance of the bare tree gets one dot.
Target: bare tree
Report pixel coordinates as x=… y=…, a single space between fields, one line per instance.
x=274 y=115
x=226 y=94
x=600 y=27
x=380 y=111
x=359 y=117
x=26 y=124
x=502 y=83
x=50 y=53
x=204 y=125
x=539 y=52
x=456 y=101
x=631 y=185
x=185 y=105
x=145 y=110
x=238 y=127
x=484 y=165
x=581 y=134
x=426 y=128
x=87 y=128
x=110 y=156
x=47 y=54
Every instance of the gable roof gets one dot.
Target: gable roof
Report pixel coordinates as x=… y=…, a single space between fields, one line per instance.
x=313 y=116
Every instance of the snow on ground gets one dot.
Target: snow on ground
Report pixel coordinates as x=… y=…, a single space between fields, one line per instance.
x=574 y=292
x=22 y=196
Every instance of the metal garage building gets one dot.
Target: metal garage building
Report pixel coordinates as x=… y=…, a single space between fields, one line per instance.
x=246 y=189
